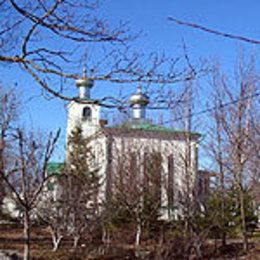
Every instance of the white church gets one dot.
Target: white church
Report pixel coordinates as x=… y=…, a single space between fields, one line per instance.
x=131 y=145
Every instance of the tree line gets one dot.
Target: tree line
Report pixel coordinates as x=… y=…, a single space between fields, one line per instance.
x=74 y=208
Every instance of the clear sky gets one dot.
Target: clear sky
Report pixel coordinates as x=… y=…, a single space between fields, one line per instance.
x=158 y=34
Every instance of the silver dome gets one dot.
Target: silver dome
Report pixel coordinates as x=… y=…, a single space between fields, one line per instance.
x=139 y=98
x=84 y=81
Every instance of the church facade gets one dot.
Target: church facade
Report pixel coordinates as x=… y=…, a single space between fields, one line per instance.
x=136 y=151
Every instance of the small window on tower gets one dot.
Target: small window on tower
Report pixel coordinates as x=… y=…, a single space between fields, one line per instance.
x=86 y=113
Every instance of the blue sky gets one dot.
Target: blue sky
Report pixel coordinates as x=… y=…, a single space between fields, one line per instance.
x=237 y=17
x=158 y=34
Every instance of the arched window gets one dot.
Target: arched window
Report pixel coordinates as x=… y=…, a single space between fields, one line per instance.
x=86 y=114
x=171 y=182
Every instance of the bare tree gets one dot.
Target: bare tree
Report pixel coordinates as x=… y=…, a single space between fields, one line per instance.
x=9 y=107
x=216 y=149
x=235 y=132
x=53 y=207
x=189 y=200
x=135 y=195
x=30 y=32
x=28 y=176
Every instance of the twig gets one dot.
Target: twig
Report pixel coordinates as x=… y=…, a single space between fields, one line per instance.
x=208 y=30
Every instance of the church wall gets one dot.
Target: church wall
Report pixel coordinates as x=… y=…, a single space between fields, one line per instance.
x=99 y=149
x=175 y=149
x=75 y=117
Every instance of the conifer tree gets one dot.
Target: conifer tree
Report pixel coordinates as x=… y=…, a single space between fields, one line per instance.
x=83 y=184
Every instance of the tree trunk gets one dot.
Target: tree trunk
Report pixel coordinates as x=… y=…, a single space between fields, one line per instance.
x=215 y=245
x=56 y=238
x=243 y=221
x=76 y=241
x=222 y=185
x=137 y=240
x=105 y=236
x=223 y=239
x=27 y=233
x=197 y=246
x=159 y=247
x=138 y=236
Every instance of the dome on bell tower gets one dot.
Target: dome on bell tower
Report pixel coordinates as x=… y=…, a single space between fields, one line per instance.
x=84 y=84
x=138 y=102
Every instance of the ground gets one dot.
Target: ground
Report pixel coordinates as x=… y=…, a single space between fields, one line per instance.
x=11 y=239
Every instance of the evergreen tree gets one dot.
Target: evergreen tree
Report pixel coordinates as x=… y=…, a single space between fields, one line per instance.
x=230 y=222
x=83 y=184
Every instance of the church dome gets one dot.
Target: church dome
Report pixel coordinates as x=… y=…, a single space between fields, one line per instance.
x=139 y=98
x=84 y=81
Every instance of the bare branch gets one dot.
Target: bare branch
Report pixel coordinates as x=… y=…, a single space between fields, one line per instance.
x=211 y=31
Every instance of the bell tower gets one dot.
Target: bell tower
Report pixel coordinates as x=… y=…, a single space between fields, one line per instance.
x=84 y=111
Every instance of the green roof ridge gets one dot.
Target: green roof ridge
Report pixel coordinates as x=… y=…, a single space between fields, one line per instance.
x=151 y=127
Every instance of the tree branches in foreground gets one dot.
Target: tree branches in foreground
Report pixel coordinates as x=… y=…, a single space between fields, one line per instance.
x=52 y=40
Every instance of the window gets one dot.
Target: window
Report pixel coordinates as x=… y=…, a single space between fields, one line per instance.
x=152 y=176
x=170 y=190
x=86 y=114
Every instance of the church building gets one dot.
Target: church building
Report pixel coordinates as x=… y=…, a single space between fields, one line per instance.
x=136 y=150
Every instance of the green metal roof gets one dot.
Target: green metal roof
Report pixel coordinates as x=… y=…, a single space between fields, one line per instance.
x=55 y=167
x=146 y=126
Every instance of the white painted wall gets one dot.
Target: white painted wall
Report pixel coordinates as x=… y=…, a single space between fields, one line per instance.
x=165 y=148
x=75 y=117
x=123 y=145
